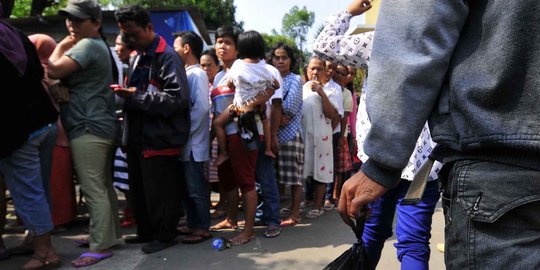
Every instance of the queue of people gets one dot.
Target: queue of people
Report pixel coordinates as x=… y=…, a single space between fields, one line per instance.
x=240 y=117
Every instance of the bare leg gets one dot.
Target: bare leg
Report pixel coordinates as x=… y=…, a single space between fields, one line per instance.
x=268 y=139
x=231 y=221
x=219 y=129
x=250 y=207
x=320 y=190
x=42 y=248
x=296 y=198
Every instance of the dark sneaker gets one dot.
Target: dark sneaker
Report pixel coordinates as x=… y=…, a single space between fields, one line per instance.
x=137 y=240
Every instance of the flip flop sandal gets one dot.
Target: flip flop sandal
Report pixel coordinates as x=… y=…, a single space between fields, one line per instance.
x=289 y=222
x=184 y=230
x=328 y=206
x=97 y=256
x=272 y=231
x=315 y=213
x=45 y=264
x=285 y=211
x=197 y=238
x=216 y=228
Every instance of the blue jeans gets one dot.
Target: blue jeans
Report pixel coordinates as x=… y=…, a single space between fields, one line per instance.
x=491 y=214
x=413 y=225
x=270 y=194
x=45 y=157
x=196 y=195
x=22 y=173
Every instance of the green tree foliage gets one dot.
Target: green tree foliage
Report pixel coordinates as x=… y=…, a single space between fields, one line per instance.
x=273 y=39
x=215 y=12
x=296 y=23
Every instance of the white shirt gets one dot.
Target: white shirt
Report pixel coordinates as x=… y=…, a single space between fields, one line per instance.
x=335 y=95
x=199 y=135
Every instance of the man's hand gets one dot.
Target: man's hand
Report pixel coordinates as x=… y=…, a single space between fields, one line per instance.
x=275 y=144
x=357 y=7
x=357 y=192
x=124 y=92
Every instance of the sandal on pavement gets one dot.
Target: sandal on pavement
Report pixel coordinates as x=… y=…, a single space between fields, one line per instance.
x=218 y=227
x=328 y=206
x=272 y=231
x=44 y=263
x=305 y=204
x=184 y=230
x=83 y=260
x=196 y=238
x=236 y=241
x=314 y=213
x=285 y=211
x=290 y=222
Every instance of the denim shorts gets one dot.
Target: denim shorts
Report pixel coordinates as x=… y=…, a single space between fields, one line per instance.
x=492 y=215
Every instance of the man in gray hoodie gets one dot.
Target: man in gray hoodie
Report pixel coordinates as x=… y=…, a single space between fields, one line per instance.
x=471 y=69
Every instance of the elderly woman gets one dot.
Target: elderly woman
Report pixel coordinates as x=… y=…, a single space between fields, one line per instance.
x=290 y=161
x=319 y=111
x=83 y=61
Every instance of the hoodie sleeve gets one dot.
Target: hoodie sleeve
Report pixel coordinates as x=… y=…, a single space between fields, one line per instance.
x=412 y=49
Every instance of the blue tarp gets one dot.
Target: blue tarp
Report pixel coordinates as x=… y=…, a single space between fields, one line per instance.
x=167 y=23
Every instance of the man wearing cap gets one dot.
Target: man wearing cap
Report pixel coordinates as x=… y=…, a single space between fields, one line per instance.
x=157 y=105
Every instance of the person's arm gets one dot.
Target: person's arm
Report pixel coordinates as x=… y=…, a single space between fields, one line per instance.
x=292 y=105
x=329 y=110
x=198 y=85
x=60 y=65
x=275 y=120
x=174 y=96
x=261 y=98
x=411 y=56
x=349 y=50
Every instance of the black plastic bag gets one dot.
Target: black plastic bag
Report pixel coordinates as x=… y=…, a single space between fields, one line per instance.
x=356 y=257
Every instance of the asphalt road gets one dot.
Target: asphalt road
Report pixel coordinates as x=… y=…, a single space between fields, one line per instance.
x=311 y=244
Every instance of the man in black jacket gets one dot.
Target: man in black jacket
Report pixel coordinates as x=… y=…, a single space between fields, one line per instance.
x=157 y=106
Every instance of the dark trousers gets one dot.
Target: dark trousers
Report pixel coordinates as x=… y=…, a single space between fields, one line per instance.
x=154 y=184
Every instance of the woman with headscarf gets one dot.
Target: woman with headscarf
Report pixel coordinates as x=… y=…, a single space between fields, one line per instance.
x=83 y=62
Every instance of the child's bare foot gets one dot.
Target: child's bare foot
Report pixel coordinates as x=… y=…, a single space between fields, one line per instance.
x=221 y=158
x=269 y=153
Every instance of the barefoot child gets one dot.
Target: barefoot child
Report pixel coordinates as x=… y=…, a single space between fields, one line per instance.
x=255 y=82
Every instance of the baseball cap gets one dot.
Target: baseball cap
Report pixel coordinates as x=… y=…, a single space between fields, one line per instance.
x=82 y=9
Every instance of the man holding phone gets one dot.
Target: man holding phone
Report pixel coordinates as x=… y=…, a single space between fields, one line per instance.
x=157 y=105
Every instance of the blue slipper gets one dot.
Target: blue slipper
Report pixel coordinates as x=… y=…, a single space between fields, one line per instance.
x=97 y=256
